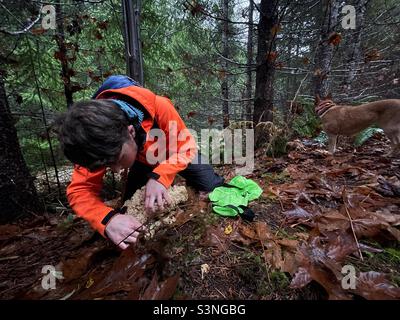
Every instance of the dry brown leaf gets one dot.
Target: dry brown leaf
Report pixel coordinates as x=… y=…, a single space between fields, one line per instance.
x=263 y=231
x=151 y=290
x=340 y=245
x=160 y=291
x=375 y=286
x=238 y=237
x=248 y=231
x=215 y=238
x=300 y=279
x=296 y=214
x=332 y=220
x=75 y=267
x=124 y=275
x=314 y=264
x=291 y=244
x=273 y=255
x=289 y=262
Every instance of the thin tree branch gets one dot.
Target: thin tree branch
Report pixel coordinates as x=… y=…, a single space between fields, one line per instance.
x=26 y=29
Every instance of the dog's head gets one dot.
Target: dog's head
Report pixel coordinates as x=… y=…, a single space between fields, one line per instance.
x=322 y=105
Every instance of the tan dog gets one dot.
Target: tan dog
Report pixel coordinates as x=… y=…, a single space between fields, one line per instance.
x=350 y=120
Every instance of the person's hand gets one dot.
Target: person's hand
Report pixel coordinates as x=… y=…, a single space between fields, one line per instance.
x=155 y=192
x=119 y=227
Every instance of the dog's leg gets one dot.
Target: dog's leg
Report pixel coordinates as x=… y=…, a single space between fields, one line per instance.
x=332 y=140
x=394 y=137
x=394 y=150
x=395 y=144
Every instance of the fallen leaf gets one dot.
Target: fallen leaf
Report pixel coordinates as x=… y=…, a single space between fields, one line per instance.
x=315 y=264
x=89 y=283
x=216 y=238
x=296 y=214
x=289 y=263
x=263 y=231
x=340 y=245
x=273 y=255
x=74 y=268
x=375 y=286
x=228 y=229
x=291 y=244
x=205 y=268
x=248 y=232
x=300 y=279
x=160 y=291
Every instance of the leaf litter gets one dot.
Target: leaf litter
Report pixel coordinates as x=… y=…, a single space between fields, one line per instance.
x=317 y=214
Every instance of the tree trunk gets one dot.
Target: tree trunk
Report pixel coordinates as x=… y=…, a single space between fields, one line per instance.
x=290 y=81
x=324 y=49
x=17 y=191
x=249 y=82
x=225 y=53
x=264 y=94
x=62 y=56
x=133 y=49
x=354 y=56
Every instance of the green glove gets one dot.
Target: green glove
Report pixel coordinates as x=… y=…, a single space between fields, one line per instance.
x=230 y=199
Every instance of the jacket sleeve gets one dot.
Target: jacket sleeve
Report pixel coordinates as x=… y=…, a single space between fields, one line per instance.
x=186 y=149
x=83 y=195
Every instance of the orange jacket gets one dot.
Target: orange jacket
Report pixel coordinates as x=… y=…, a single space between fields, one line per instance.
x=83 y=191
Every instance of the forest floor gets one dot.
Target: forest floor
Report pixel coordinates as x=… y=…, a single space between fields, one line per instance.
x=317 y=213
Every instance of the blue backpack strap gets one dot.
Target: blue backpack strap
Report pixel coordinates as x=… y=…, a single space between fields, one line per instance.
x=116 y=82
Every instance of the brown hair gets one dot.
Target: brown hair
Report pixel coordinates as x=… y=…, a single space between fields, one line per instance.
x=92 y=133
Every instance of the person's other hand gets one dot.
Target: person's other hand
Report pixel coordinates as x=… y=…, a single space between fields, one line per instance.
x=155 y=193
x=119 y=227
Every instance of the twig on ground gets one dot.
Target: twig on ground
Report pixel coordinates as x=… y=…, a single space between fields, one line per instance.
x=354 y=234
